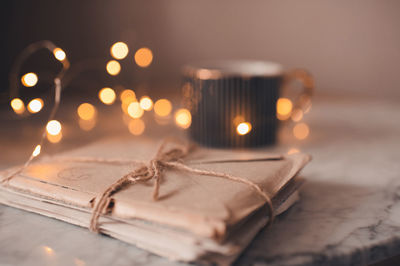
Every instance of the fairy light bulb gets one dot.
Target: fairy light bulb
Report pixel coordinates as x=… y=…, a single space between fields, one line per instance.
x=183 y=118
x=86 y=111
x=134 y=110
x=143 y=57
x=283 y=108
x=35 y=105
x=17 y=105
x=301 y=131
x=29 y=79
x=36 y=151
x=127 y=96
x=113 y=68
x=119 y=50
x=146 y=103
x=107 y=96
x=59 y=54
x=162 y=107
x=243 y=128
x=53 y=127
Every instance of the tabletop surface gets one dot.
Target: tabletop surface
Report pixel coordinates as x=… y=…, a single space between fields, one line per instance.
x=349 y=212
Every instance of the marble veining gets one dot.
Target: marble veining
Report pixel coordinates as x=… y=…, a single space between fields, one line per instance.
x=349 y=213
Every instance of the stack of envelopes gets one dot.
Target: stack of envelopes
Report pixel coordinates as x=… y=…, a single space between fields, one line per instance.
x=197 y=217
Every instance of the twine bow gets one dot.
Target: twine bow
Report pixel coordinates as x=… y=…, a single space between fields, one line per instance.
x=164 y=159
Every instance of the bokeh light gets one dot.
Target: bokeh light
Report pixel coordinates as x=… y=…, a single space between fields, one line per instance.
x=127 y=96
x=134 y=110
x=53 y=127
x=162 y=107
x=48 y=250
x=36 y=151
x=283 y=108
x=113 y=68
x=136 y=127
x=183 y=118
x=293 y=151
x=107 y=96
x=146 y=103
x=17 y=105
x=86 y=111
x=35 y=105
x=29 y=79
x=54 y=138
x=301 y=131
x=87 y=125
x=243 y=128
x=59 y=54
x=143 y=57
x=297 y=115
x=119 y=50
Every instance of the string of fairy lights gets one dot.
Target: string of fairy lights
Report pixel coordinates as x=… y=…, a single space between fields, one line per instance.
x=133 y=107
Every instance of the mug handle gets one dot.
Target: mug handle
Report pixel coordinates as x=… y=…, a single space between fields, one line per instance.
x=303 y=102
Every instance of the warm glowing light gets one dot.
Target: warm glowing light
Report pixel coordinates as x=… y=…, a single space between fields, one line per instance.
x=35 y=105
x=29 y=79
x=107 y=95
x=283 y=108
x=53 y=127
x=48 y=250
x=54 y=138
x=301 y=131
x=293 y=151
x=243 y=128
x=17 y=105
x=136 y=127
x=36 y=151
x=113 y=67
x=86 y=111
x=119 y=50
x=183 y=118
x=59 y=54
x=162 y=107
x=146 y=103
x=143 y=57
x=134 y=110
x=87 y=125
x=297 y=115
x=127 y=96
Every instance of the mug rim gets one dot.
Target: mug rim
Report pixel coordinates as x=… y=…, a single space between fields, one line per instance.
x=233 y=68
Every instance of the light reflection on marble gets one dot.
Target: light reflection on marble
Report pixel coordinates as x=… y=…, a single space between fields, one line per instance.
x=349 y=212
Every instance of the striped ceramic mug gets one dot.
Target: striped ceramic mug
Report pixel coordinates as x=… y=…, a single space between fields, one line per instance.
x=234 y=103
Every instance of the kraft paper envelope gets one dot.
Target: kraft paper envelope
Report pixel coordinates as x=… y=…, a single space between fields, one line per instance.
x=193 y=206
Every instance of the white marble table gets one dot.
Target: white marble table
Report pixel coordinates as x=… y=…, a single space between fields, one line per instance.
x=349 y=213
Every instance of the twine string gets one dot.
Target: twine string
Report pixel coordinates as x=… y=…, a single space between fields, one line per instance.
x=163 y=160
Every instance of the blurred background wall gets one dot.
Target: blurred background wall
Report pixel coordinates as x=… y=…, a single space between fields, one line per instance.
x=350 y=46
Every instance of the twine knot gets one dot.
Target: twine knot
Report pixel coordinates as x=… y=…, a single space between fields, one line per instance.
x=146 y=172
